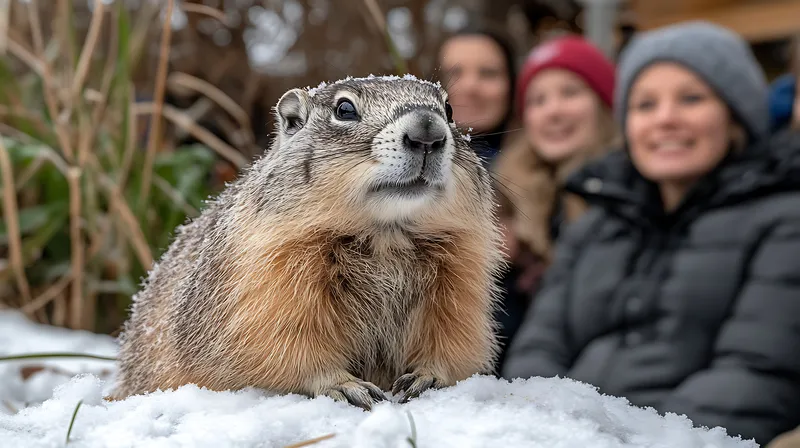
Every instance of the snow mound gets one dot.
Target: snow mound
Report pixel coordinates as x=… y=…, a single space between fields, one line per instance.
x=478 y=412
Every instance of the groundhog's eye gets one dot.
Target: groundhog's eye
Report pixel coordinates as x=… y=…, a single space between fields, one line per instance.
x=449 y=111
x=345 y=110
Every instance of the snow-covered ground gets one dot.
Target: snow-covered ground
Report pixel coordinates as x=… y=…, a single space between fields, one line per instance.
x=479 y=412
x=32 y=381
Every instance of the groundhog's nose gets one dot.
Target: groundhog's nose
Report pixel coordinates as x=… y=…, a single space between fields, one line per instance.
x=426 y=133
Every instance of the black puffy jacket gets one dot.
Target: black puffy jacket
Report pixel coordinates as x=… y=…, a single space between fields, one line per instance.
x=696 y=312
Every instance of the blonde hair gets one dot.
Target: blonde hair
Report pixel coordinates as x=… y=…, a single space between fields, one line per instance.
x=533 y=186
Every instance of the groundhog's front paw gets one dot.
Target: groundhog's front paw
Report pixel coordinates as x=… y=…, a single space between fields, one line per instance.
x=358 y=393
x=411 y=385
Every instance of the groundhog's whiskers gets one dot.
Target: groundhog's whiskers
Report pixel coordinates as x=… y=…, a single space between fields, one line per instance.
x=505 y=181
x=508 y=190
x=508 y=131
x=449 y=79
x=461 y=160
x=466 y=126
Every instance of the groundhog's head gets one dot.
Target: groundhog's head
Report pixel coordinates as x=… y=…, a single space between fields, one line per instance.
x=384 y=146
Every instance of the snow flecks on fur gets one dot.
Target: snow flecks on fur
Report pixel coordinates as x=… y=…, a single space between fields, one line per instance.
x=467 y=137
x=407 y=77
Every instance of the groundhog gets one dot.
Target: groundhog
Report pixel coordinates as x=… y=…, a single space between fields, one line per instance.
x=355 y=257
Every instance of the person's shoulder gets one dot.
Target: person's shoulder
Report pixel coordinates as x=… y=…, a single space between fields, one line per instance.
x=782 y=205
x=782 y=200
x=785 y=144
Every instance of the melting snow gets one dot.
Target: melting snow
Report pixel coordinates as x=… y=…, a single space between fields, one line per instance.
x=478 y=412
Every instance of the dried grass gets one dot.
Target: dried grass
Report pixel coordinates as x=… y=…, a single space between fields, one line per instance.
x=87 y=204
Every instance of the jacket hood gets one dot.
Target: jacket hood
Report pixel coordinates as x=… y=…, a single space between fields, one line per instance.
x=773 y=165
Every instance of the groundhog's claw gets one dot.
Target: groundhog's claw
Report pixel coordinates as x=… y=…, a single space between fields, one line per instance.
x=358 y=393
x=411 y=385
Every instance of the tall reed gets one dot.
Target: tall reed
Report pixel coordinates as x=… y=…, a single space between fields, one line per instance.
x=92 y=183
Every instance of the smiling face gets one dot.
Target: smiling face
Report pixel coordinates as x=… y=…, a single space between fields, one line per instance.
x=477 y=81
x=677 y=128
x=562 y=115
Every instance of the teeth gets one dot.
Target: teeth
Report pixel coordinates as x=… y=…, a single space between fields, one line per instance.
x=558 y=132
x=672 y=145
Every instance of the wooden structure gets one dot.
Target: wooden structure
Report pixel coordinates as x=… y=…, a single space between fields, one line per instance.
x=758 y=21
x=755 y=20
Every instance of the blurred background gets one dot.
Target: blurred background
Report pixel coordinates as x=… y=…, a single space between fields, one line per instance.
x=93 y=185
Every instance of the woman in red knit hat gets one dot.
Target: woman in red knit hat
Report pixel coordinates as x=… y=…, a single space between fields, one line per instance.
x=563 y=98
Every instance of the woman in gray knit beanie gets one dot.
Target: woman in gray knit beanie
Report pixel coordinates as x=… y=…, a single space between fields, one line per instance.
x=680 y=288
x=686 y=93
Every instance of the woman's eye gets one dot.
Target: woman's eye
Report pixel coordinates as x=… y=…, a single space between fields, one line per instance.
x=346 y=111
x=489 y=73
x=692 y=98
x=536 y=100
x=643 y=105
x=570 y=91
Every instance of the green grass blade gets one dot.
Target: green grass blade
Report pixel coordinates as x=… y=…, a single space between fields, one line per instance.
x=55 y=355
x=72 y=420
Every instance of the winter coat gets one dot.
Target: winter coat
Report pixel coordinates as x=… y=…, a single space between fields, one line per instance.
x=695 y=312
x=532 y=192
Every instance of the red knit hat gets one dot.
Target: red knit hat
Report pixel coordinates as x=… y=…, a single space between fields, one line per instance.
x=572 y=53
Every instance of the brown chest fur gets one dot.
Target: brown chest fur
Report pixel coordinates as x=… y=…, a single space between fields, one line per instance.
x=315 y=311
x=377 y=294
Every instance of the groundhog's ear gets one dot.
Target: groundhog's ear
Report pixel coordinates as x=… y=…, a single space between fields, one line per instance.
x=292 y=111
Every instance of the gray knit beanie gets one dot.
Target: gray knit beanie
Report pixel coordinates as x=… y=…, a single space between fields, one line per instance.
x=716 y=54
